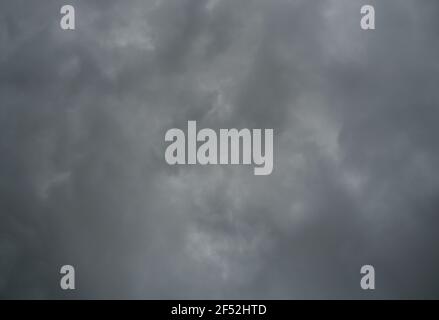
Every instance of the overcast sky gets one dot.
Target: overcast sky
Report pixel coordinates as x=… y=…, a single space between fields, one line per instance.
x=84 y=181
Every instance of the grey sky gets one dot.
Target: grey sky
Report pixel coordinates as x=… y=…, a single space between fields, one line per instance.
x=83 y=179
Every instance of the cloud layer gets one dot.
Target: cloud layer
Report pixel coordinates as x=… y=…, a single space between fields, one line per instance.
x=83 y=179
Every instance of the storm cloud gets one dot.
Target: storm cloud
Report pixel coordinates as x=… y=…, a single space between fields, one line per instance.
x=83 y=179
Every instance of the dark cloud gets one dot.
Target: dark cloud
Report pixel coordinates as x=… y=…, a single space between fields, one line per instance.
x=83 y=179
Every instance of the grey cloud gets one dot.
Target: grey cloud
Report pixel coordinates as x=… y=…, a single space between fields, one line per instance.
x=83 y=179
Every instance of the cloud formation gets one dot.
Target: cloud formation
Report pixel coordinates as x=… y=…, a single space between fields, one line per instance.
x=83 y=179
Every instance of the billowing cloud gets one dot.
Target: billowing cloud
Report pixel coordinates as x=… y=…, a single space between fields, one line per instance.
x=83 y=180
